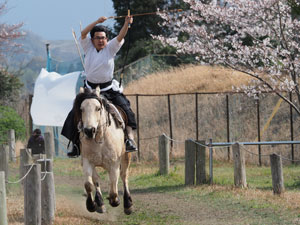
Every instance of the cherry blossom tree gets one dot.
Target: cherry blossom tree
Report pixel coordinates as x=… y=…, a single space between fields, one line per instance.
x=10 y=84
x=9 y=34
x=260 y=38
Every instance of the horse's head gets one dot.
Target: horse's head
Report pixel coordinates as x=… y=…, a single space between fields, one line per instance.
x=90 y=113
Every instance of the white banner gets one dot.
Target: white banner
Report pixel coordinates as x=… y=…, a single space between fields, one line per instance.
x=53 y=98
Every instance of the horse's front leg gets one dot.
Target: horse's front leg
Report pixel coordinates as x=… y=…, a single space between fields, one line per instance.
x=88 y=172
x=98 y=194
x=114 y=173
x=125 y=162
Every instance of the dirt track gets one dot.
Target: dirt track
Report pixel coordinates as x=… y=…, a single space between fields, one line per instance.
x=170 y=208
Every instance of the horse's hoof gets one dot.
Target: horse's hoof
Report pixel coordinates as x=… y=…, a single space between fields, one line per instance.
x=101 y=209
x=128 y=211
x=90 y=205
x=115 y=202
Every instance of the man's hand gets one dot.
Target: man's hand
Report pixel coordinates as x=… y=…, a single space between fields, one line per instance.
x=101 y=19
x=129 y=19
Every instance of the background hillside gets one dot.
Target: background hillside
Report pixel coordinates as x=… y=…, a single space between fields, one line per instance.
x=188 y=79
x=33 y=56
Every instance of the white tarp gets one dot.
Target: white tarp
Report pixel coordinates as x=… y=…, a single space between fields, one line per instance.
x=53 y=98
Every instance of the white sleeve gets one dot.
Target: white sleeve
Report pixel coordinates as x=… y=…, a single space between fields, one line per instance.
x=86 y=44
x=114 y=46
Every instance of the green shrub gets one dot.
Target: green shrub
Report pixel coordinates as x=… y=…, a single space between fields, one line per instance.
x=9 y=119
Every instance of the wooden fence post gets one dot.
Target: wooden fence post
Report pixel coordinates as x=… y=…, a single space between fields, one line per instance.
x=190 y=158
x=32 y=195
x=47 y=192
x=164 y=152
x=200 y=163
x=3 y=210
x=4 y=159
x=239 y=166
x=24 y=160
x=49 y=145
x=277 y=174
x=12 y=145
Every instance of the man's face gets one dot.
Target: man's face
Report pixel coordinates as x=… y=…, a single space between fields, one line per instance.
x=99 y=40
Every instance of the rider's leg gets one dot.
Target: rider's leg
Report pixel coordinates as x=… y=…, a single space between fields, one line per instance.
x=70 y=131
x=76 y=146
x=120 y=100
x=130 y=144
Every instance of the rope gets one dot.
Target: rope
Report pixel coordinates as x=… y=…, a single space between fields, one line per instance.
x=172 y=139
x=197 y=143
x=254 y=153
x=289 y=159
x=18 y=181
x=149 y=138
x=45 y=174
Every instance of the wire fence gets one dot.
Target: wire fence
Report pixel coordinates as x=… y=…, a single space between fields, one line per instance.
x=227 y=117
x=243 y=144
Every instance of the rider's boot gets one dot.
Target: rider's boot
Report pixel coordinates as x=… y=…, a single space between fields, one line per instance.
x=129 y=141
x=76 y=147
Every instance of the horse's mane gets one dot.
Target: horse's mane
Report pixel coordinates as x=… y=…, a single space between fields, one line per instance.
x=88 y=93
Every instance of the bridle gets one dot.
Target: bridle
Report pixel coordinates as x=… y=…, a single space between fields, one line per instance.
x=104 y=125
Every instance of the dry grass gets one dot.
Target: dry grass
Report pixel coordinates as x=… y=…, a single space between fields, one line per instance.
x=287 y=200
x=188 y=79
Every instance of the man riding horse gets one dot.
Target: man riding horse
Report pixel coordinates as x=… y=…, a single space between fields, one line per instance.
x=99 y=66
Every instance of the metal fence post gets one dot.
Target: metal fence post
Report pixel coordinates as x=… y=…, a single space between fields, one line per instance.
x=211 y=176
x=292 y=127
x=258 y=132
x=197 y=119
x=170 y=120
x=228 y=125
x=138 y=126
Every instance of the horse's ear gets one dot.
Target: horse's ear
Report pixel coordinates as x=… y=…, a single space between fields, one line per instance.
x=97 y=91
x=81 y=90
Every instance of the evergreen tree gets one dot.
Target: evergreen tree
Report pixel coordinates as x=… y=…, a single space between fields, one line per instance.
x=141 y=42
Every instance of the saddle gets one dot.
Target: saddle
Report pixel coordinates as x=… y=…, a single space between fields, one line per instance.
x=119 y=115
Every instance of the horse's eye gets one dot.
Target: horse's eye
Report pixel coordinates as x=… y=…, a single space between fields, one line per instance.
x=97 y=108
x=81 y=109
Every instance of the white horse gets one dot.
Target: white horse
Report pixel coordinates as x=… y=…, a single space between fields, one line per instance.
x=102 y=144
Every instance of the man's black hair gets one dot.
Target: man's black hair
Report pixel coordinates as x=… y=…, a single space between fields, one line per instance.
x=98 y=28
x=37 y=131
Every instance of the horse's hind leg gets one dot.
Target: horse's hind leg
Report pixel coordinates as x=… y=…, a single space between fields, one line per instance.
x=88 y=171
x=125 y=162
x=98 y=194
x=113 y=198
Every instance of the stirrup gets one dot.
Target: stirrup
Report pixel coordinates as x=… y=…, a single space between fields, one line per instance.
x=130 y=145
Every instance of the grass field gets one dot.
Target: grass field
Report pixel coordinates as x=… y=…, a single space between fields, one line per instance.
x=165 y=200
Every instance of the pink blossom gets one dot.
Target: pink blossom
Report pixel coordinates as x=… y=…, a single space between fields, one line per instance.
x=272 y=59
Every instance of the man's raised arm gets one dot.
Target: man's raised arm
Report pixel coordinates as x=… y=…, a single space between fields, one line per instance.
x=86 y=30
